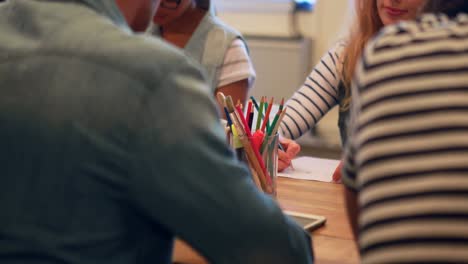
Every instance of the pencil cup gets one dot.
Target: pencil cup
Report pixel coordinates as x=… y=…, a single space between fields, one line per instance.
x=261 y=157
x=269 y=153
x=263 y=165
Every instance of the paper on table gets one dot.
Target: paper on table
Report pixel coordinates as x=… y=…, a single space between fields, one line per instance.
x=310 y=168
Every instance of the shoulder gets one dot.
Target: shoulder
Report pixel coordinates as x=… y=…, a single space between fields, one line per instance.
x=428 y=36
x=339 y=47
x=337 y=50
x=236 y=52
x=332 y=61
x=411 y=58
x=142 y=57
x=222 y=34
x=238 y=45
x=218 y=24
x=335 y=56
x=411 y=49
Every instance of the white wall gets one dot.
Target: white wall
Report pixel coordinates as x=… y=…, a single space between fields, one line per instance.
x=324 y=26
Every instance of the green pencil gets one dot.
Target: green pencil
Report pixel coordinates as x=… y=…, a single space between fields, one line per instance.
x=259 y=116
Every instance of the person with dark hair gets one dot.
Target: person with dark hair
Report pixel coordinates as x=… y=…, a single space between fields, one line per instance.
x=111 y=146
x=406 y=168
x=221 y=50
x=193 y=26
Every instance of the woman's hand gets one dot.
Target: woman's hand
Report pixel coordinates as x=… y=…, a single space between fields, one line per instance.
x=291 y=149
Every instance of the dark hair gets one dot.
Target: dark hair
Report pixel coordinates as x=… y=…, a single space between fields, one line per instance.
x=449 y=7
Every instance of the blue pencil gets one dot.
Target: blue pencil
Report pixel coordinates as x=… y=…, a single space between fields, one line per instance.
x=229 y=121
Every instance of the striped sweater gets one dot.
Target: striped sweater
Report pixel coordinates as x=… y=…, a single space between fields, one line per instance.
x=316 y=96
x=408 y=153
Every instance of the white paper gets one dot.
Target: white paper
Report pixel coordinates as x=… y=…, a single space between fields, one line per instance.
x=310 y=168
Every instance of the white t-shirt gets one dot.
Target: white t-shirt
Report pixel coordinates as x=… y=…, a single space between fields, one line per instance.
x=237 y=65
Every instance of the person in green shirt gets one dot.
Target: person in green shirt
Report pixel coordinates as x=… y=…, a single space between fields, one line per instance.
x=110 y=146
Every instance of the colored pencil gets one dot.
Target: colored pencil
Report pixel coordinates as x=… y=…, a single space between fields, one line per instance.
x=229 y=121
x=281 y=104
x=275 y=128
x=252 y=155
x=247 y=114
x=251 y=117
x=259 y=116
x=254 y=102
x=267 y=114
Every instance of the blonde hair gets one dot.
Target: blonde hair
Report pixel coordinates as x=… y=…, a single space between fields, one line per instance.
x=367 y=23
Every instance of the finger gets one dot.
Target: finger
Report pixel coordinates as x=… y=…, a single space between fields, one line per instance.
x=283 y=156
x=337 y=173
x=285 y=142
x=291 y=146
x=282 y=165
x=293 y=150
x=337 y=176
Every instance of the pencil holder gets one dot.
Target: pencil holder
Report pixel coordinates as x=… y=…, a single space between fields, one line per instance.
x=264 y=166
x=269 y=153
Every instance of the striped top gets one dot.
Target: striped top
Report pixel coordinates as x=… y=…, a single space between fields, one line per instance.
x=237 y=65
x=316 y=96
x=408 y=152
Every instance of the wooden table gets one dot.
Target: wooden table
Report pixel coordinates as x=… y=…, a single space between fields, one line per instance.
x=332 y=243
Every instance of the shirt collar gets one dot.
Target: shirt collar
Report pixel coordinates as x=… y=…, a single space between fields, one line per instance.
x=109 y=9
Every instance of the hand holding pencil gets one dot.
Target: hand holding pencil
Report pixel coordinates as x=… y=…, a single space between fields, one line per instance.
x=291 y=149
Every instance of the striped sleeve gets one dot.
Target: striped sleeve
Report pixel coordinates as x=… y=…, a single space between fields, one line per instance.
x=237 y=65
x=409 y=162
x=316 y=96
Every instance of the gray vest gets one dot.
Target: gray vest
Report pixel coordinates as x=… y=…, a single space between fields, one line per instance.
x=209 y=43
